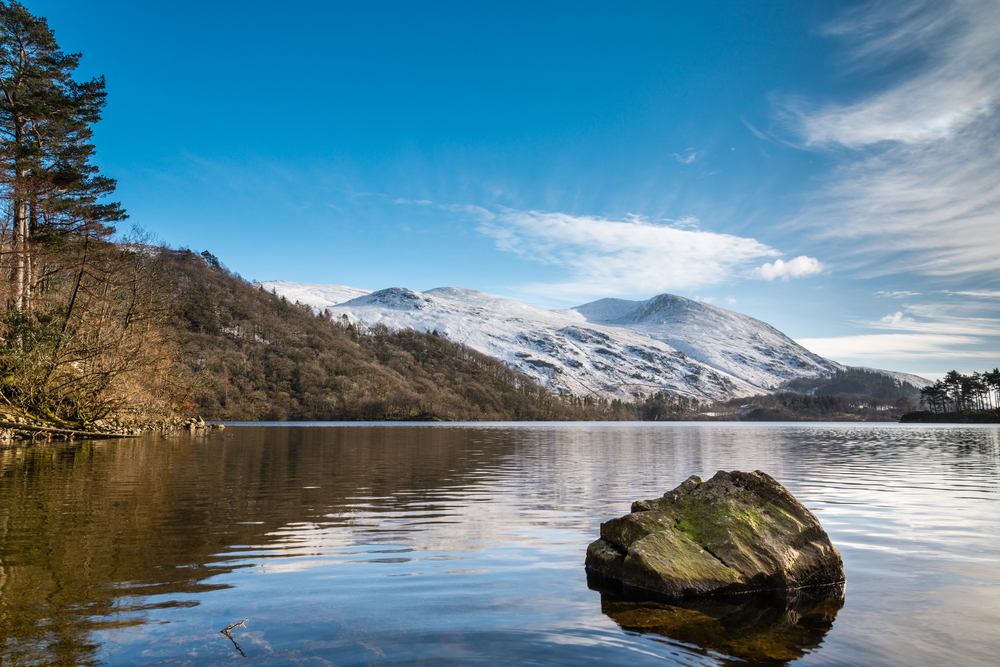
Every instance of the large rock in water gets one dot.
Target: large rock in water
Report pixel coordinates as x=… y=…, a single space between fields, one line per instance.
x=736 y=533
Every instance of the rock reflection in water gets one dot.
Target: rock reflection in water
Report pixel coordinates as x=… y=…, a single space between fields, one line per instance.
x=766 y=629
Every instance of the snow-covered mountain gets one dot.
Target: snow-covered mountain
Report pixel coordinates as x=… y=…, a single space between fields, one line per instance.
x=609 y=348
x=722 y=339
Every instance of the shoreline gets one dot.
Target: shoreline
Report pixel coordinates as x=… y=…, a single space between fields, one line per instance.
x=12 y=430
x=962 y=417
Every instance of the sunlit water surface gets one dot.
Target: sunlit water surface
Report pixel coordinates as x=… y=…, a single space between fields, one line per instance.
x=464 y=544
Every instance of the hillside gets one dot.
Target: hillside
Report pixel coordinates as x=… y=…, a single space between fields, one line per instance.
x=253 y=355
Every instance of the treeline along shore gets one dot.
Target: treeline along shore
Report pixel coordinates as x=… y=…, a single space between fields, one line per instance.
x=959 y=398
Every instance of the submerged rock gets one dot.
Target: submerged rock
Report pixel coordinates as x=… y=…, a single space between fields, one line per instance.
x=736 y=533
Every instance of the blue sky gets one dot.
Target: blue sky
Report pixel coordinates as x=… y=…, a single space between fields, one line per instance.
x=832 y=168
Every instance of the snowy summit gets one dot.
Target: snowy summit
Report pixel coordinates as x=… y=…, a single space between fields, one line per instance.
x=611 y=348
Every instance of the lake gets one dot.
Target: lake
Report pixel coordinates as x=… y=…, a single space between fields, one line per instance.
x=459 y=544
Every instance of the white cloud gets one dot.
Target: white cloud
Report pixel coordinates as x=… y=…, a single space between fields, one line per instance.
x=475 y=211
x=796 y=268
x=958 y=85
x=685 y=159
x=877 y=348
x=896 y=319
x=687 y=222
x=931 y=333
x=616 y=257
x=896 y=294
x=976 y=294
x=933 y=320
x=919 y=191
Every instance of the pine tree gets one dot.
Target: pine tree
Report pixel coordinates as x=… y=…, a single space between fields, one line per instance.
x=49 y=187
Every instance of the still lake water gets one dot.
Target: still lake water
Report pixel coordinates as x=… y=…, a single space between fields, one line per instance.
x=464 y=544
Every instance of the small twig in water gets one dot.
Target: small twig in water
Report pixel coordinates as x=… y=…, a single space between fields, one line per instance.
x=226 y=633
x=234 y=625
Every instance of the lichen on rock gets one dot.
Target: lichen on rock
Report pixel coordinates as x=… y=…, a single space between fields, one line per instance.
x=738 y=532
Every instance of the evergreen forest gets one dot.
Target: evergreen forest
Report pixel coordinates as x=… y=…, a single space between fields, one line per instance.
x=962 y=398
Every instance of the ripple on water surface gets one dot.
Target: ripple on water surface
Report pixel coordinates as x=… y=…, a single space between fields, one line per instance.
x=464 y=544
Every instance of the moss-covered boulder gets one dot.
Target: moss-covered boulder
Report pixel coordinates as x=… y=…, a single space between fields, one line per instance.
x=736 y=533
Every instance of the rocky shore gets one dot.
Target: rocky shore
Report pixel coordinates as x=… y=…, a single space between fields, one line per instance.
x=16 y=428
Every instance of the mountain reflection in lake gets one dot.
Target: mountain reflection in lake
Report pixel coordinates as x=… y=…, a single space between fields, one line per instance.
x=464 y=544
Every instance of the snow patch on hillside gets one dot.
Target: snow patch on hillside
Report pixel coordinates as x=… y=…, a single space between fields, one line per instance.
x=317 y=296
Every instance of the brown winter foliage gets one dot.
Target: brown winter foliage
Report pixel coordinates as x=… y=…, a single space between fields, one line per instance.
x=90 y=343
x=252 y=355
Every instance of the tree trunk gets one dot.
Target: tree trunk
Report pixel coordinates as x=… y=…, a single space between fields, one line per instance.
x=20 y=248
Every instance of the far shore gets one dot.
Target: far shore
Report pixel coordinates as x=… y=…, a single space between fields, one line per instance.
x=963 y=417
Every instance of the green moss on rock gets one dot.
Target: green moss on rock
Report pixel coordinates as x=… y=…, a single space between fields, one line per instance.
x=735 y=533
x=670 y=555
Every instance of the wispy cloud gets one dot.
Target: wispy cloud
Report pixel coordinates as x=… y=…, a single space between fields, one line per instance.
x=941 y=334
x=690 y=156
x=896 y=294
x=878 y=349
x=895 y=319
x=757 y=133
x=687 y=222
x=957 y=86
x=477 y=212
x=919 y=191
x=954 y=310
x=975 y=294
x=933 y=322
x=623 y=257
x=796 y=268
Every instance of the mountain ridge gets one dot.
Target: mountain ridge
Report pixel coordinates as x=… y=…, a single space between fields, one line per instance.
x=610 y=348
